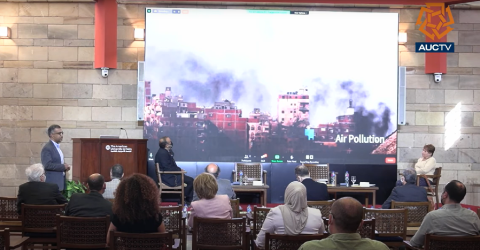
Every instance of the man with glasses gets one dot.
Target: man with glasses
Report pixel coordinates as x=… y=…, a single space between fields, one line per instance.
x=52 y=157
x=36 y=191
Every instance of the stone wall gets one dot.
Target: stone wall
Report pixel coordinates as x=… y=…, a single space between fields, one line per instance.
x=47 y=76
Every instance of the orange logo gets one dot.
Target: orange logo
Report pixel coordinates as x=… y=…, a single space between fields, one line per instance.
x=436 y=27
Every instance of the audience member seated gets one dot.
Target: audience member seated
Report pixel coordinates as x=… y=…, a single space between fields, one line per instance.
x=409 y=192
x=318 y=191
x=116 y=174
x=451 y=219
x=343 y=222
x=224 y=185
x=92 y=204
x=136 y=208
x=164 y=158
x=293 y=218
x=36 y=191
x=426 y=164
x=210 y=205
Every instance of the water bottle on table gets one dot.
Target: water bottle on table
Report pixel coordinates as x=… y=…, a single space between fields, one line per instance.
x=333 y=179
x=347 y=177
x=184 y=211
x=241 y=177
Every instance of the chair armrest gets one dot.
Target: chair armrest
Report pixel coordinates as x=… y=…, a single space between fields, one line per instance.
x=409 y=246
x=172 y=172
x=17 y=242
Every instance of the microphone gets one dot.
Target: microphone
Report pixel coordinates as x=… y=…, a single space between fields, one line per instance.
x=125 y=132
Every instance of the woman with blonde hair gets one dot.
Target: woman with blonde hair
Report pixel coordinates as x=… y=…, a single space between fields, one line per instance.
x=209 y=204
x=292 y=218
x=136 y=207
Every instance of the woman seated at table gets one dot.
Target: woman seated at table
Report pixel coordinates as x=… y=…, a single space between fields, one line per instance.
x=293 y=218
x=209 y=204
x=426 y=164
x=136 y=207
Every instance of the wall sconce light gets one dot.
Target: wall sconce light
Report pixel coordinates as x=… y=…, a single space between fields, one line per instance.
x=139 y=34
x=5 y=32
x=402 y=37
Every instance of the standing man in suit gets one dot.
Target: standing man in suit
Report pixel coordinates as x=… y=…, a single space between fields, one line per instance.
x=52 y=157
x=36 y=191
x=316 y=191
x=165 y=159
x=409 y=192
x=224 y=185
x=92 y=204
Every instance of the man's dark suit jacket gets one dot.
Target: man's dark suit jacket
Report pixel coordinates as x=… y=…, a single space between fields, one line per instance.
x=406 y=193
x=39 y=193
x=89 y=205
x=167 y=163
x=52 y=163
x=316 y=191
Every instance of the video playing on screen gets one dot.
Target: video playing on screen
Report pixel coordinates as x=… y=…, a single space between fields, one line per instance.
x=272 y=85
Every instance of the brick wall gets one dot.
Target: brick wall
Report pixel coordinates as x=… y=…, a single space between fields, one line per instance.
x=47 y=76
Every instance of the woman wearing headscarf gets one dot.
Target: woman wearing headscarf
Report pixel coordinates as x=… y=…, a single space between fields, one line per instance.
x=292 y=218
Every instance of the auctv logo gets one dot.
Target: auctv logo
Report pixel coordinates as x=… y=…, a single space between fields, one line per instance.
x=439 y=26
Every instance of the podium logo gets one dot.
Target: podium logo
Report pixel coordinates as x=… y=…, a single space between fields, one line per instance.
x=107 y=147
x=436 y=27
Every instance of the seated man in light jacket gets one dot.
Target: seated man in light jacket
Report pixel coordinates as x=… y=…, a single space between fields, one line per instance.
x=224 y=185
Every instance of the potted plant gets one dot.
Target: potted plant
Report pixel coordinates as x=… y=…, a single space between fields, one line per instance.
x=73 y=187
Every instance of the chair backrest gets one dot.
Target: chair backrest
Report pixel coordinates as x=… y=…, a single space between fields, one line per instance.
x=40 y=218
x=478 y=212
x=8 y=209
x=219 y=233
x=135 y=241
x=4 y=239
x=253 y=171
x=173 y=219
x=324 y=206
x=437 y=242
x=438 y=174
x=319 y=171
x=416 y=211
x=388 y=222
x=289 y=242
x=259 y=215
x=82 y=232
x=367 y=229
x=235 y=203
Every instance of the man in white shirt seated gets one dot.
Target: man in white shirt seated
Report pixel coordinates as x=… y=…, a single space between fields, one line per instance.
x=451 y=219
x=116 y=174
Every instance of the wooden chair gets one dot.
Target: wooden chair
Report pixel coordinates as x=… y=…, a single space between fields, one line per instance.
x=253 y=171
x=319 y=171
x=391 y=225
x=175 y=223
x=8 y=214
x=259 y=215
x=180 y=189
x=289 y=242
x=219 y=233
x=39 y=222
x=235 y=203
x=5 y=242
x=416 y=211
x=367 y=229
x=432 y=189
x=82 y=232
x=441 y=242
x=478 y=212
x=143 y=241
x=324 y=206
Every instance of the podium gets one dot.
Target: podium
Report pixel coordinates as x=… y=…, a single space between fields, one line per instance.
x=98 y=155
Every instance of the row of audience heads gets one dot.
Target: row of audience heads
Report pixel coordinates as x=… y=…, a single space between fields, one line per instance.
x=137 y=196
